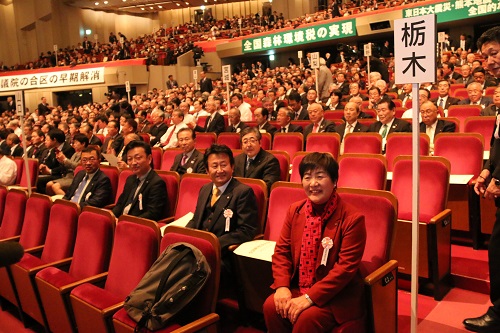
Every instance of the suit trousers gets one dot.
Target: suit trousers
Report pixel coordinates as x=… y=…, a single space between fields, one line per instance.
x=311 y=320
x=494 y=268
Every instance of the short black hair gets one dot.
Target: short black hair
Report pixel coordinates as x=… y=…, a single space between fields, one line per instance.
x=82 y=138
x=323 y=161
x=132 y=123
x=295 y=96
x=137 y=144
x=490 y=35
x=218 y=150
x=90 y=149
x=248 y=130
x=57 y=134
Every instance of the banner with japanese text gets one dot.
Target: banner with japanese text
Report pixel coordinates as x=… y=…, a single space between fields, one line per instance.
x=52 y=79
x=314 y=34
x=455 y=10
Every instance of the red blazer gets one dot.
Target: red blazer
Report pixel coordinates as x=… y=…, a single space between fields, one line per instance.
x=339 y=284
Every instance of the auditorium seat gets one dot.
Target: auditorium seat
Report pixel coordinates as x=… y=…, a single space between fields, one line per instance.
x=200 y=313
x=172 y=180
x=265 y=141
x=157 y=154
x=434 y=222
x=122 y=179
x=168 y=158
x=205 y=140
x=373 y=167
x=294 y=166
x=324 y=143
x=289 y=142
x=12 y=220
x=284 y=160
x=94 y=306
x=483 y=125
x=113 y=174
x=260 y=190
x=462 y=112
x=95 y=226
x=363 y=142
x=401 y=144
x=57 y=250
x=232 y=140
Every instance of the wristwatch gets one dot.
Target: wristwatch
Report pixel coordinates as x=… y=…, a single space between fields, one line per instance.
x=497 y=182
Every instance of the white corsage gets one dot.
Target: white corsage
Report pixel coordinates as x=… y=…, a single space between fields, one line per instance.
x=228 y=214
x=140 y=201
x=327 y=244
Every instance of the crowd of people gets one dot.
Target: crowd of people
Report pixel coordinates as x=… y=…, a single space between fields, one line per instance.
x=167 y=43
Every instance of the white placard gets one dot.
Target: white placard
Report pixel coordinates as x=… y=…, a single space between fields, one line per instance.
x=19 y=103
x=127 y=86
x=55 y=48
x=368 y=50
x=52 y=79
x=315 y=60
x=441 y=37
x=195 y=74
x=415 y=49
x=299 y=54
x=226 y=73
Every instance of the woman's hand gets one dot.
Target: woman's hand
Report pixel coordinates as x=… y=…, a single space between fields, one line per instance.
x=282 y=297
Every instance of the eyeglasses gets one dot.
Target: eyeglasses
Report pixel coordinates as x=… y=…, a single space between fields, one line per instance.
x=251 y=140
x=90 y=159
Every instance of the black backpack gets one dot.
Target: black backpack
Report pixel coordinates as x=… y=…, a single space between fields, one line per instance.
x=171 y=283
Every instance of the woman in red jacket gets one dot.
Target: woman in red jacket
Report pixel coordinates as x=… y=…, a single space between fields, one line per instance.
x=316 y=260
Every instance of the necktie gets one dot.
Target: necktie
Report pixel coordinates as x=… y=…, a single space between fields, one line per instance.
x=297 y=116
x=440 y=104
x=170 y=135
x=384 y=132
x=249 y=161
x=315 y=128
x=215 y=196
x=110 y=145
x=283 y=130
x=79 y=190
x=184 y=159
x=349 y=128
x=209 y=120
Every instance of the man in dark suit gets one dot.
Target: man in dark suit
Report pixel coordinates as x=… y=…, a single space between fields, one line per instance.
x=171 y=83
x=145 y=193
x=255 y=162
x=295 y=103
x=449 y=72
x=488 y=186
x=214 y=123
x=37 y=148
x=14 y=145
x=86 y=130
x=11 y=105
x=431 y=125
x=234 y=117
x=190 y=160
x=51 y=168
x=351 y=125
x=91 y=186
x=261 y=117
x=354 y=91
x=113 y=143
x=284 y=118
x=494 y=108
x=444 y=100
x=388 y=123
x=475 y=92
x=318 y=123
x=158 y=129
x=466 y=77
x=479 y=75
x=226 y=207
x=43 y=107
x=205 y=83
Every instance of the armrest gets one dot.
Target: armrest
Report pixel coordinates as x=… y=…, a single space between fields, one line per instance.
x=167 y=220
x=442 y=217
x=259 y=236
x=110 y=206
x=232 y=247
x=93 y=279
x=198 y=324
x=381 y=272
x=109 y=311
x=61 y=263
x=11 y=239
x=35 y=250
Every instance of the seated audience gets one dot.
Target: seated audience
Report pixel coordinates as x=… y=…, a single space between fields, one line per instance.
x=388 y=123
x=190 y=160
x=431 y=125
x=8 y=168
x=234 y=117
x=284 y=118
x=318 y=123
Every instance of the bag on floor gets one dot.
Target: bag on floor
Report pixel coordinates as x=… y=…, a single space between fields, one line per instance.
x=171 y=283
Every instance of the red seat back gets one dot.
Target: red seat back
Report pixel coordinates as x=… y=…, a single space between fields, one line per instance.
x=189 y=190
x=260 y=190
x=157 y=153
x=324 y=143
x=33 y=173
x=205 y=140
x=365 y=143
x=19 y=168
x=401 y=144
x=289 y=142
x=232 y=140
x=113 y=174
x=168 y=158
x=294 y=172
x=172 y=180
x=265 y=141
x=3 y=196
x=122 y=179
x=483 y=125
x=36 y=220
x=454 y=146
x=462 y=112
x=372 y=166
x=13 y=217
x=284 y=160
x=96 y=227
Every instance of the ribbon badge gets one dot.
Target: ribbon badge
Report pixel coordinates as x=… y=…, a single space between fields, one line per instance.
x=140 y=201
x=327 y=244
x=228 y=214
x=189 y=170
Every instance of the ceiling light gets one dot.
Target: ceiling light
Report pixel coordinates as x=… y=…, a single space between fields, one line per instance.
x=160 y=6
x=142 y=8
x=105 y=2
x=96 y=3
x=187 y=3
x=151 y=7
x=178 y=4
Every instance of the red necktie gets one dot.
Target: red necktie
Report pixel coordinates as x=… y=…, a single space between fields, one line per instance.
x=315 y=128
x=170 y=136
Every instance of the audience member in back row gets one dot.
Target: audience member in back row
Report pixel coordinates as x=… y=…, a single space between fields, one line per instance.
x=190 y=160
x=431 y=125
x=144 y=194
x=90 y=186
x=8 y=168
x=319 y=228
x=494 y=108
x=255 y=162
x=226 y=207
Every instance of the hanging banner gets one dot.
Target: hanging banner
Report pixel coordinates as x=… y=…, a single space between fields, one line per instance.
x=455 y=10
x=52 y=79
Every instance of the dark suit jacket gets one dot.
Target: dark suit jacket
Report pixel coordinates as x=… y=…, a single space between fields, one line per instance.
x=50 y=160
x=172 y=84
x=449 y=101
x=486 y=101
x=18 y=151
x=357 y=129
x=466 y=82
x=206 y=85
x=338 y=285
x=117 y=144
x=398 y=125
x=441 y=126
x=97 y=193
x=271 y=129
x=94 y=140
x=43 y=109
x=241 y=126
x=240 y=199
x=326 y=126
x=195 y=163
x=154 y=198
x=303 y=115
x=36 y=152
x=216 y=125
x=264 y=166
x=344 y=88
x=157 y=132
x=490 y=110
x=293 y=128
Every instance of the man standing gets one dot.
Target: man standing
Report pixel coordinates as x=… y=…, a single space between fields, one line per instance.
x=324 y=81
x=144 y=194
x=431 y=125
x=255 y=162
x=91 y=186
x=318 y=123
x=190 y=160
x=43 y=107
x=205 y=83
x=284 y=118
x=488 y=186
x=226 y=207
x=171 y=83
